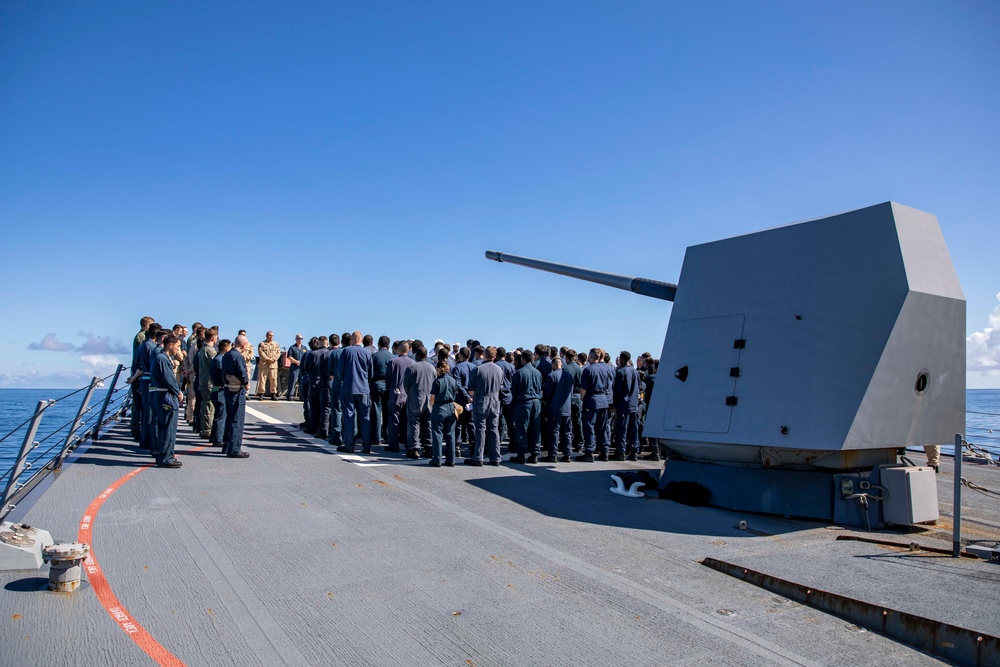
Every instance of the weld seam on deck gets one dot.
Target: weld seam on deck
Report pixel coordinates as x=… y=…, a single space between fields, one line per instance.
x=888 y=543
x=228 y=584
x=952 y=642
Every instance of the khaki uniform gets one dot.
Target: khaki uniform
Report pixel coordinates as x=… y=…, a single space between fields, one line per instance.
x=933 y=453
x=267 y=368
x=177 y=361
x=247 y=354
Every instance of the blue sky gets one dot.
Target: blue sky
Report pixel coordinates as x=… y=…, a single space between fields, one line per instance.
x=321 y=167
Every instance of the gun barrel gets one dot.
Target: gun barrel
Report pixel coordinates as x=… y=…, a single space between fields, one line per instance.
x=643 y=286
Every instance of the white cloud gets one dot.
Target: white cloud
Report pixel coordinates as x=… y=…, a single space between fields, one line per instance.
x=36 y=380
x=90 y=365
x=100 y=364
x=50 y=344
x=92 y=345
x=103 y=345
x=983 y=347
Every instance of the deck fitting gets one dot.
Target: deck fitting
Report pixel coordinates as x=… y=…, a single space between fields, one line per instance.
x=64 y=565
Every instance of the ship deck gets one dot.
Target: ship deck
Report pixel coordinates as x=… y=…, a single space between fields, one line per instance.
x=303 y=556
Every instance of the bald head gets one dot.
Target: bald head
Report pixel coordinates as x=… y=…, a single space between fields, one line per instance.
x=356 y=338
x=241 y=342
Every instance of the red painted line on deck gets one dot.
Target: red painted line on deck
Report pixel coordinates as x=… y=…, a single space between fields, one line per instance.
x=102 y=588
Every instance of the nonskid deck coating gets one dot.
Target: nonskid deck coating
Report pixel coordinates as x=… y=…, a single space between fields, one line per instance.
x=297 y=556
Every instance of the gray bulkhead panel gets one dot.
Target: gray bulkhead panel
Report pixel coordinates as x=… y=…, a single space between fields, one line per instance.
x=928 y=338
x=695 y=398
x=929 y=268
x=833 y=332
x=894 y=413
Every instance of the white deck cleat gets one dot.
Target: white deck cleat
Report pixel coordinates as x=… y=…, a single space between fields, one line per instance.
x=633 y=491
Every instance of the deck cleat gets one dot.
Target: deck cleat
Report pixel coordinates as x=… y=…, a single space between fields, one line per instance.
x=64 y=560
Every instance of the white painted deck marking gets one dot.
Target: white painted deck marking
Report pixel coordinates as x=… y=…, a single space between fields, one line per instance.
x=366 y=462
x=263 y=417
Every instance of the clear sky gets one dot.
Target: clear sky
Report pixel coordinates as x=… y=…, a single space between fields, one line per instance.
x=331 y=166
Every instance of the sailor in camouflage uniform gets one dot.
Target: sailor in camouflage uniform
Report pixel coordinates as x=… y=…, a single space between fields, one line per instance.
x=206 y=408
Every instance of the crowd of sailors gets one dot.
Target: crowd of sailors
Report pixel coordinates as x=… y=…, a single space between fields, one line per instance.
x=548 y=403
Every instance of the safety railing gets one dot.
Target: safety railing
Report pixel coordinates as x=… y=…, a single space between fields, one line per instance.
x=37 y=458
x=966 y=450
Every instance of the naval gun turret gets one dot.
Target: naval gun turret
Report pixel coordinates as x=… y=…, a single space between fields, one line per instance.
x=800 y=360
x=643 y=286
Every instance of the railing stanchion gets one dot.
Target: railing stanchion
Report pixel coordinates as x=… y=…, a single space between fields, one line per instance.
x=76 y=423
x=956 y=543
x=26 y=446
x=95 y=434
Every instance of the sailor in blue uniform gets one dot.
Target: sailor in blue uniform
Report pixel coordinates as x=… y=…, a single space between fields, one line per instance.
x=461 y=372
x=575 y=369
x=217 y=381
x=338 y=381
x=651 y=371
x=640 y=368
x=595 y=382
x=294 y=355
x=234 y=369
x=543 y=363
x=377 y=390
x=201 y=364
x=484 y=387
x=334 y=380
x=526 y=390
x=304 y=384
x=610 y=391
x=626 y=402
x=354 y=367
x=310 y=383
x=443 y=393
x=396 y=371
x=506 y=399
x=557 y=395
x=417 y=383
x=144 y=360
x=136 y=411
x=165 y=394
x=319 y=389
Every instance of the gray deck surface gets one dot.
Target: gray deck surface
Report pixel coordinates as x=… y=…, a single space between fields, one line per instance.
x=297 y=556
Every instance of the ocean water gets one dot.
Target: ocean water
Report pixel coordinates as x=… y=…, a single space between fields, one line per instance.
x=17 y=405
x=982 y=419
